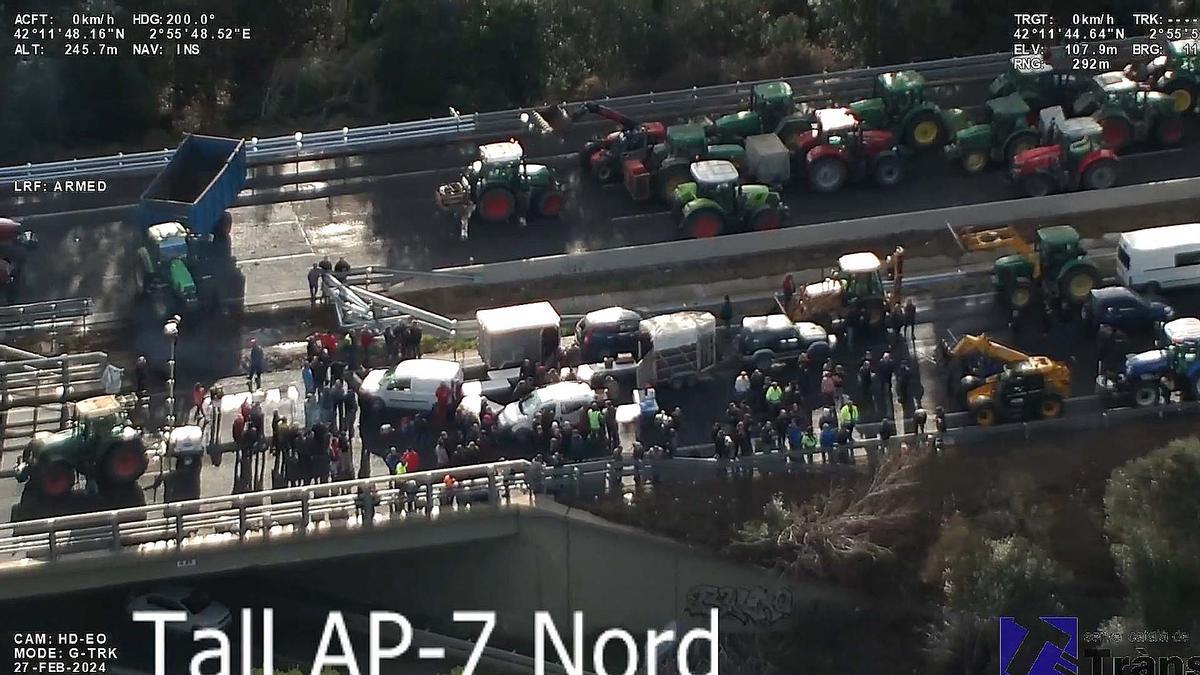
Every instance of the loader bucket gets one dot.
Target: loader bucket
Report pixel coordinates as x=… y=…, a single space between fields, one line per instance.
x=549 y=119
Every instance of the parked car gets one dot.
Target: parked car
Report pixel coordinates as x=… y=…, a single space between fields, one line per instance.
x=607 y=332
x=200 y=611
x=412 y=385
x=774 y=339
x=1124 y=309
x=567 y=400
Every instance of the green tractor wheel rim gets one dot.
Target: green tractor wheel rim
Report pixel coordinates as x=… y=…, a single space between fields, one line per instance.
x=1182 y=99
x=1079 y=286
x=1019 y=297
x=974 y=162
x=925 y=133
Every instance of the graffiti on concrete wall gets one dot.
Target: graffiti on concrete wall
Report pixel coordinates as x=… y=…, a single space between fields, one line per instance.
x=753 y=606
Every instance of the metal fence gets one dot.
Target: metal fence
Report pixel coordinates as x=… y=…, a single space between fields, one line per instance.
x=45 y=316
x=53 y=379
x=368 y=502
x=841 y=85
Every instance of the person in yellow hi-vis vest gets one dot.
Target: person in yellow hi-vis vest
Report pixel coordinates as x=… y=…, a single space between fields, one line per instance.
x=848 y=414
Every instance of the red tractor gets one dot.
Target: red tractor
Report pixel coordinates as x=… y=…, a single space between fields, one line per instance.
x=15 y=244
x=1075 y=157
x=602 y=157
x=837 y=149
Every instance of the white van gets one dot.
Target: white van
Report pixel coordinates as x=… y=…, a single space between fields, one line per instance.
x=568 y=401
x=1160 y=258
x=412 y=385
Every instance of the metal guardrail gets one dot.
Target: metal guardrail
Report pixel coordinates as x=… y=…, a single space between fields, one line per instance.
x=365 y=502
x=48 y=315
x=346 y=141
x=28 y=382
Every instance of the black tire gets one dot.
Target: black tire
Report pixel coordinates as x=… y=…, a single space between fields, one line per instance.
x=1101 y=175
x=1022 y=293
x=1038 y=184
x=1076 y=285
x=1168 y=131
x=1051 y=407
x=910 y=133
x=499 y=196
x=818 y=352
x=1145 y=394
x=766 y=218
x=548 y=204
x=888 y=170
x=53 y=479
x=764 y=362
x=1025 y=140
x=124 y=463
x=985 y=413
x=827 y=174
x=704 y=223
x=607 y=171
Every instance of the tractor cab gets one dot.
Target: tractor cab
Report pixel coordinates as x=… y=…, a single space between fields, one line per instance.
x=99 y=416
x=900 y=91
x=772 y=101
x=716 y=179
x=1076 y=136
x=836 y=125
x=498 y=162
x=1007 y=113
x=1057 y=245
x=1024 y=74
x=167 y=249
x=169 y=240
x=860 y=276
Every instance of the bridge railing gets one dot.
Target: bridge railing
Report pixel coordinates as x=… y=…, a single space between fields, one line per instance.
x=53 y=379
x=819 y=87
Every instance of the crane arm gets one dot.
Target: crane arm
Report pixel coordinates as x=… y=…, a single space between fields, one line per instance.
x=593 y=108
x=970 y=345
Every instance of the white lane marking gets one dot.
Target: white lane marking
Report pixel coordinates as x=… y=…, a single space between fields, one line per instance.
x=639 y=216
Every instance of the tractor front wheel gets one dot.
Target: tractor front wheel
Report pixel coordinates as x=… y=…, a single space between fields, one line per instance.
x=1026 y=140
x=668 y=180
x=605 y=171
x=1117 y=132
x=1169 y=131
x=827 y=174
x=1077 y=284
x=1051 y=407
x=124 y=464
x=496 y=205
x=704 y=223
x=889 y=170
x=549 y=204
x=1038 y=184
x=1101 y=175
x=1146 y=394
x=974 y=161
x=1184 y=97
x=1021 y=294
x=54 y=479
x=985 y=413
x=766 y=218
x=925 y=131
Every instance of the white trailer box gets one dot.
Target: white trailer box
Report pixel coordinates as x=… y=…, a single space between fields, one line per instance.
x=768 y=159
x=509 y=335
x=682 y=346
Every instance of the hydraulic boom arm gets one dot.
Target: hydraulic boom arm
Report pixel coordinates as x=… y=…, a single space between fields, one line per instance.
x=1004 y=238
x=593 y=108
x=555 y=118
x=981 y=345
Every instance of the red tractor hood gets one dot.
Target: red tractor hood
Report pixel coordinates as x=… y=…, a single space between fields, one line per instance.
x=878 y=140
x=1036 y=158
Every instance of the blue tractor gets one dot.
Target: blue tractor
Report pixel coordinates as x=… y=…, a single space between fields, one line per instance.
x=1177 y=361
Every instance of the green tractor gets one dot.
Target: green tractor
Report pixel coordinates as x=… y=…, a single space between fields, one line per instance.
x=1130 y=113
x=667 y=166
x=1039 y=84
x=1005 y=132
x=714 y=201
x=501 y=186
x=772 y=111
x=899 y=105
x=100 y=445
x=1177 y=74
x=181 y=273
x=1054 y=269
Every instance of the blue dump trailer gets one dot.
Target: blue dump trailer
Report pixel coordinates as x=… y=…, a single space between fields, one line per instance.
x=185 y=263
x=202 y=179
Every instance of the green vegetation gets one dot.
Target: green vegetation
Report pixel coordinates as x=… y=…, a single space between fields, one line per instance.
x=313 y=64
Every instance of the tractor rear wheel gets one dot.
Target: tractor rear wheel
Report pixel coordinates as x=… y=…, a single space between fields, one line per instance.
x=1101 y=175
x=974 y=161
x=1026 y=140
x=1146 y=394
x=984 y=413
x=925 y=131
x=827 y=174
x=1037 y=184
x=606 y=171
x=1117 y=132
x=496 y=205
x=1021 y=294
x=1050 y=407
x=668 y=180
x=704 y=223
x=766 y=218
x=124 y=464
x=1077 y=284
x=548 y=204
x=1168 y=132
x=54 y=479
x=1184 y=96
x=889 y=170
